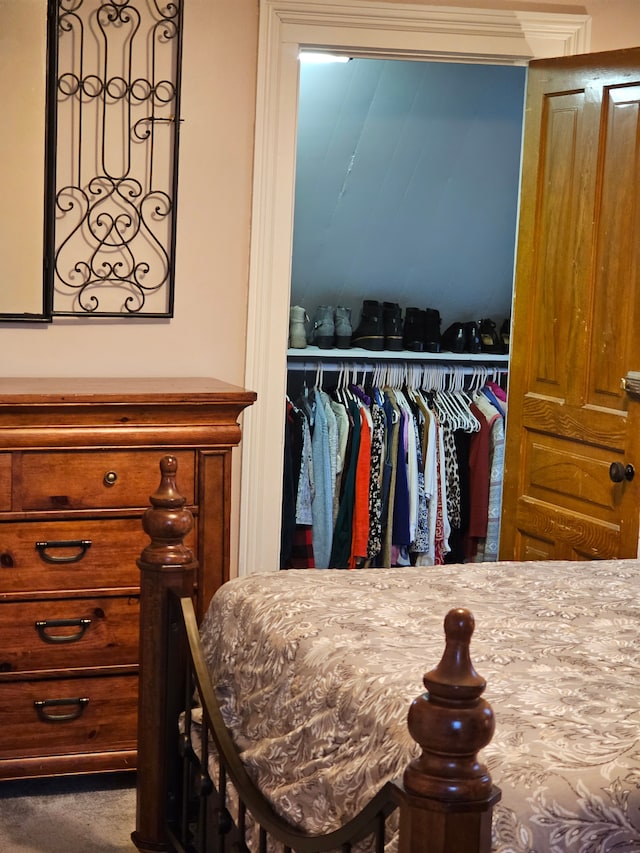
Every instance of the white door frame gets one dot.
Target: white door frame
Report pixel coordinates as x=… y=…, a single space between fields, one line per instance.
x=382 y=30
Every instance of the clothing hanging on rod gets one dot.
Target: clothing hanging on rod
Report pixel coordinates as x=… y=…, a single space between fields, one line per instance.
x=405 y=465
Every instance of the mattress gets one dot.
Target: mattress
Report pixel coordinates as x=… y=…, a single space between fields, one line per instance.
x=315 y=671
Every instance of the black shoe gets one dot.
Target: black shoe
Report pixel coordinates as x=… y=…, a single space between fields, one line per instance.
x=392 y=323
x=453 y=338
x=505 y=335
x=370 y=332
x=472 y=342
x=432 y=336
x=414 y=328
x=489 y=339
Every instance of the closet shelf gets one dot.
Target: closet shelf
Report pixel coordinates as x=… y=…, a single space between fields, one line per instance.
x=311 y=353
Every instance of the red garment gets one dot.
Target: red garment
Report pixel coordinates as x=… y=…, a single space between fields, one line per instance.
x=360 y=524
x=302 y=551
x=500 y=393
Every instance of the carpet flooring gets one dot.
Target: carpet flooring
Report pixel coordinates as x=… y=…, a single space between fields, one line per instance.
x=76 y=814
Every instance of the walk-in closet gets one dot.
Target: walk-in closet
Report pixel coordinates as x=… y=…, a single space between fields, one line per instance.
x=407 y=180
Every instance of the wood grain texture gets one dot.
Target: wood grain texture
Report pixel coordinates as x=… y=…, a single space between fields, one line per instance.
x=576 y=313
x=79 y=461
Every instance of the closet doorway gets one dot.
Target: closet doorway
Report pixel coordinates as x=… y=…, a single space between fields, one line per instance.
x=366 y=29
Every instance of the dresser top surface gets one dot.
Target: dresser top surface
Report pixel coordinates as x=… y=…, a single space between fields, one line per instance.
x=50 y=390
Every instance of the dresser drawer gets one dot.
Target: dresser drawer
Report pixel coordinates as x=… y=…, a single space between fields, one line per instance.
x=70 y=555
x=68 y=633
x=66 y=716
x=97 y=479
x=5 y=482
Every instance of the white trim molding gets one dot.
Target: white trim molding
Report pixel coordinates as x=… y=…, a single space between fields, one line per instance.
x=381 y=30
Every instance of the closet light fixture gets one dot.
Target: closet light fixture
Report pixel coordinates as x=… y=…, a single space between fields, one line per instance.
x=319 y=57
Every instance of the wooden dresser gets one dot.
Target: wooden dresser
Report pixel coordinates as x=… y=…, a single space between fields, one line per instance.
x=79 y=459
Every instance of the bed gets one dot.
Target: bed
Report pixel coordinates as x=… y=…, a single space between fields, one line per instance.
x=315 y=672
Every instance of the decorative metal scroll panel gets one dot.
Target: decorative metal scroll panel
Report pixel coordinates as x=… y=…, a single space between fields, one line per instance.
x=118 y=107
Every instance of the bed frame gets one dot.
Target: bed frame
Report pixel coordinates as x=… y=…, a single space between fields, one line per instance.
x=445 y=798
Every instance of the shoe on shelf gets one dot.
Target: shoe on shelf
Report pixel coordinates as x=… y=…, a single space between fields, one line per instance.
x=370 y=332
x=413 y=335
x=324 y=333
x=297 y=327
x=472 y=342
x=505 y=334
x=453 y=338
x=392 y=324
x=343 y=328
x=432 y=336
x=489 y=339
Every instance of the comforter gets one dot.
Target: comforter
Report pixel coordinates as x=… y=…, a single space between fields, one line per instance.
x=315 y=671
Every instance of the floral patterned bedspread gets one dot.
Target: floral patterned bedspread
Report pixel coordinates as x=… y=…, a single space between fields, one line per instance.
x=316 y=670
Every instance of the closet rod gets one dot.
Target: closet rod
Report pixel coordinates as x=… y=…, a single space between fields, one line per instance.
x=370 y=366
x=434 y=377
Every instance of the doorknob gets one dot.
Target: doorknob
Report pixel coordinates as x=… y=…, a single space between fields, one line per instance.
x=619 y=472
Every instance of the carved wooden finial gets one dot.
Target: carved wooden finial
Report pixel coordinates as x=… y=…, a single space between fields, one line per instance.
x=451 y=722
x=167 y=521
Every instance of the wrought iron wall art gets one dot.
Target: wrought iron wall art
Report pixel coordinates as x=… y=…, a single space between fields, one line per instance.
x=118 y=108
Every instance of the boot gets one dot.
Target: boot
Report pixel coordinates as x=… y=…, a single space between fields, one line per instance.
x=343 y=327
x=370 y=332
x=392 y=323
x=297 y=330
x=432 y=337
x=414 y=329
x=323 y=327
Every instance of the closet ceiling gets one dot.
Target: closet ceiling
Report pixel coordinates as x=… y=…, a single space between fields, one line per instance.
x=407 y=185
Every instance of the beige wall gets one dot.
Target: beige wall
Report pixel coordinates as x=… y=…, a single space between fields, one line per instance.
x=207 y=335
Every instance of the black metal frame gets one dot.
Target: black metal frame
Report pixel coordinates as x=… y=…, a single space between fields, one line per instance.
x=113 y=229
x=197 y=806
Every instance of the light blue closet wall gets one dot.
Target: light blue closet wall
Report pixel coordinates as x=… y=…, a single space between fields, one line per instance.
x=407 y=186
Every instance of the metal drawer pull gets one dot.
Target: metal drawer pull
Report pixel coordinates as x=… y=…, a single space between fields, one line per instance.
x=43 y=627
x=41 y=706
x=110 y=478
x=82 y=544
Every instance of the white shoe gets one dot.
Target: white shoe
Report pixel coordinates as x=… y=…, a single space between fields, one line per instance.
x=297 y=330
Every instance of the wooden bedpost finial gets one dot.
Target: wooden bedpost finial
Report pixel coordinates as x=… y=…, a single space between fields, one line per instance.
x=167 y=521
x=451 y=722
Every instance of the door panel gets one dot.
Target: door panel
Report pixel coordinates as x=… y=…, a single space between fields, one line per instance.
x=617 y=246
x=576 y=316
x=573 y=481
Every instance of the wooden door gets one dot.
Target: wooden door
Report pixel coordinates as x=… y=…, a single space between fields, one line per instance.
x=576 y=320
